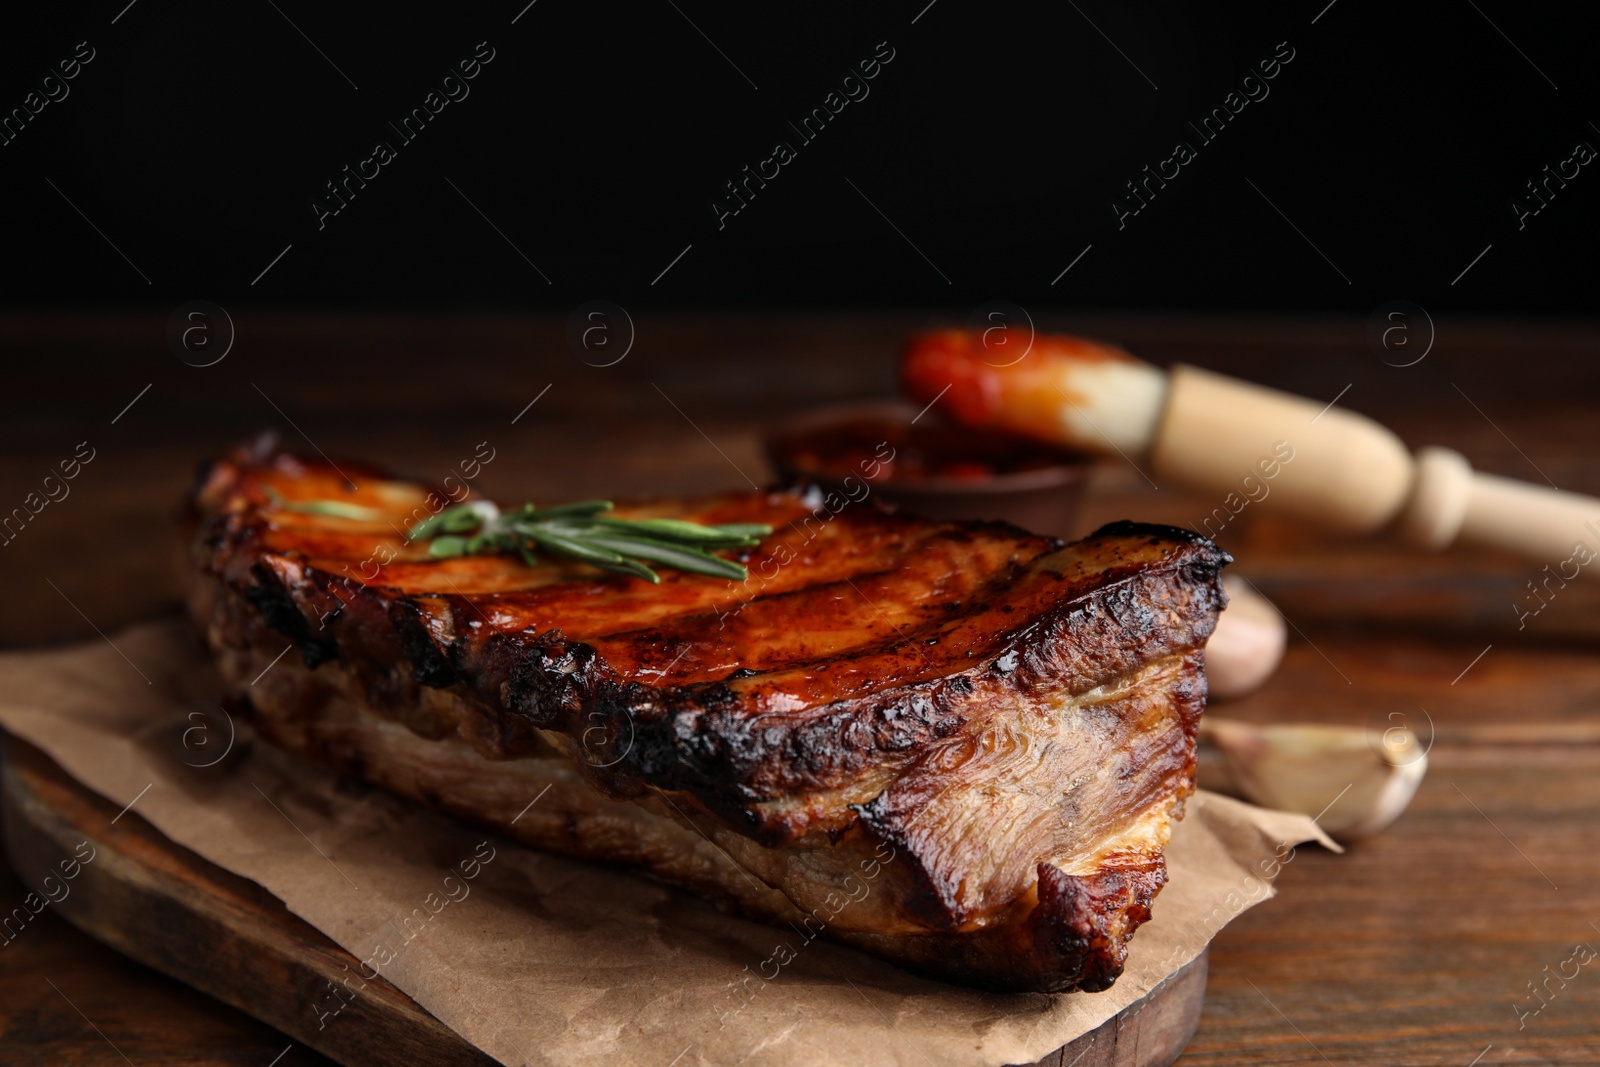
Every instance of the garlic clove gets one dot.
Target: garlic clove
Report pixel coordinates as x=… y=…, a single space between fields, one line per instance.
x=1354 y=783
x=1247 y=644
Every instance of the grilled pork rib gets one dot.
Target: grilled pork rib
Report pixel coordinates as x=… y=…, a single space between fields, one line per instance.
x=957 y=745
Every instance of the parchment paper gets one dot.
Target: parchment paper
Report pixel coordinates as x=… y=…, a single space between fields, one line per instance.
x=541 y=960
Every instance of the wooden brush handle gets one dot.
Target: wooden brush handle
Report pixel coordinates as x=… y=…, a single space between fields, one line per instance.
x=1452 y=502
x=1253 y=447
x=1229 y=439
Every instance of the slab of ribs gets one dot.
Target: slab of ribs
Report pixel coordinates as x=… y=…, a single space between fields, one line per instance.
x=959 y=746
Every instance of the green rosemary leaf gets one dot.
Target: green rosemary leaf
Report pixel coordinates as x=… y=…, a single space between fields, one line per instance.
x=586 y=552
x=460 y=519
x=336 y=508
x=636 y=570
x=448 y=547
x=683 y=559
x=570 y=546
x=733 y=535
x=429 y=527
x=753 y=530
x=581 y=507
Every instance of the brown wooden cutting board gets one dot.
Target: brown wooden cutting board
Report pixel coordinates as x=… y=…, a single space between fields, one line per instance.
x=165 y=906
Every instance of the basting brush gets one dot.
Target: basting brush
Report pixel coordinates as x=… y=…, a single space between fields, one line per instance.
x=1237 y=441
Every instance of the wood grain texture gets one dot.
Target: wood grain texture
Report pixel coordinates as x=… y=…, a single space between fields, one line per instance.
x=1155 y=1030
x=1410 y=949
x=166 y=907
x=68 y=999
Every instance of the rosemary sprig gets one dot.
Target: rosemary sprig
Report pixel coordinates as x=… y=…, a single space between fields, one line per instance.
x=339 y=509
x=582 y=531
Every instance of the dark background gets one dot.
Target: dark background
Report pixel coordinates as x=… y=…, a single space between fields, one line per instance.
x=993 y=143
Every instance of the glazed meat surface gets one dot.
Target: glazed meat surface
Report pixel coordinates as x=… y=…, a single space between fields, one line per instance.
x=958 y=745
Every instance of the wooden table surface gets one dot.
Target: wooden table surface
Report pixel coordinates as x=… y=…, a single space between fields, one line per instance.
x=1417 y=947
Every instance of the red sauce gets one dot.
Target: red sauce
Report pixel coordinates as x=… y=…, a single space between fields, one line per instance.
x=883 y=449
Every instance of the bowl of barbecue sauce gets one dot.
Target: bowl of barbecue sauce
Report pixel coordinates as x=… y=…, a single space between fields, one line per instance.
x=891 y=451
